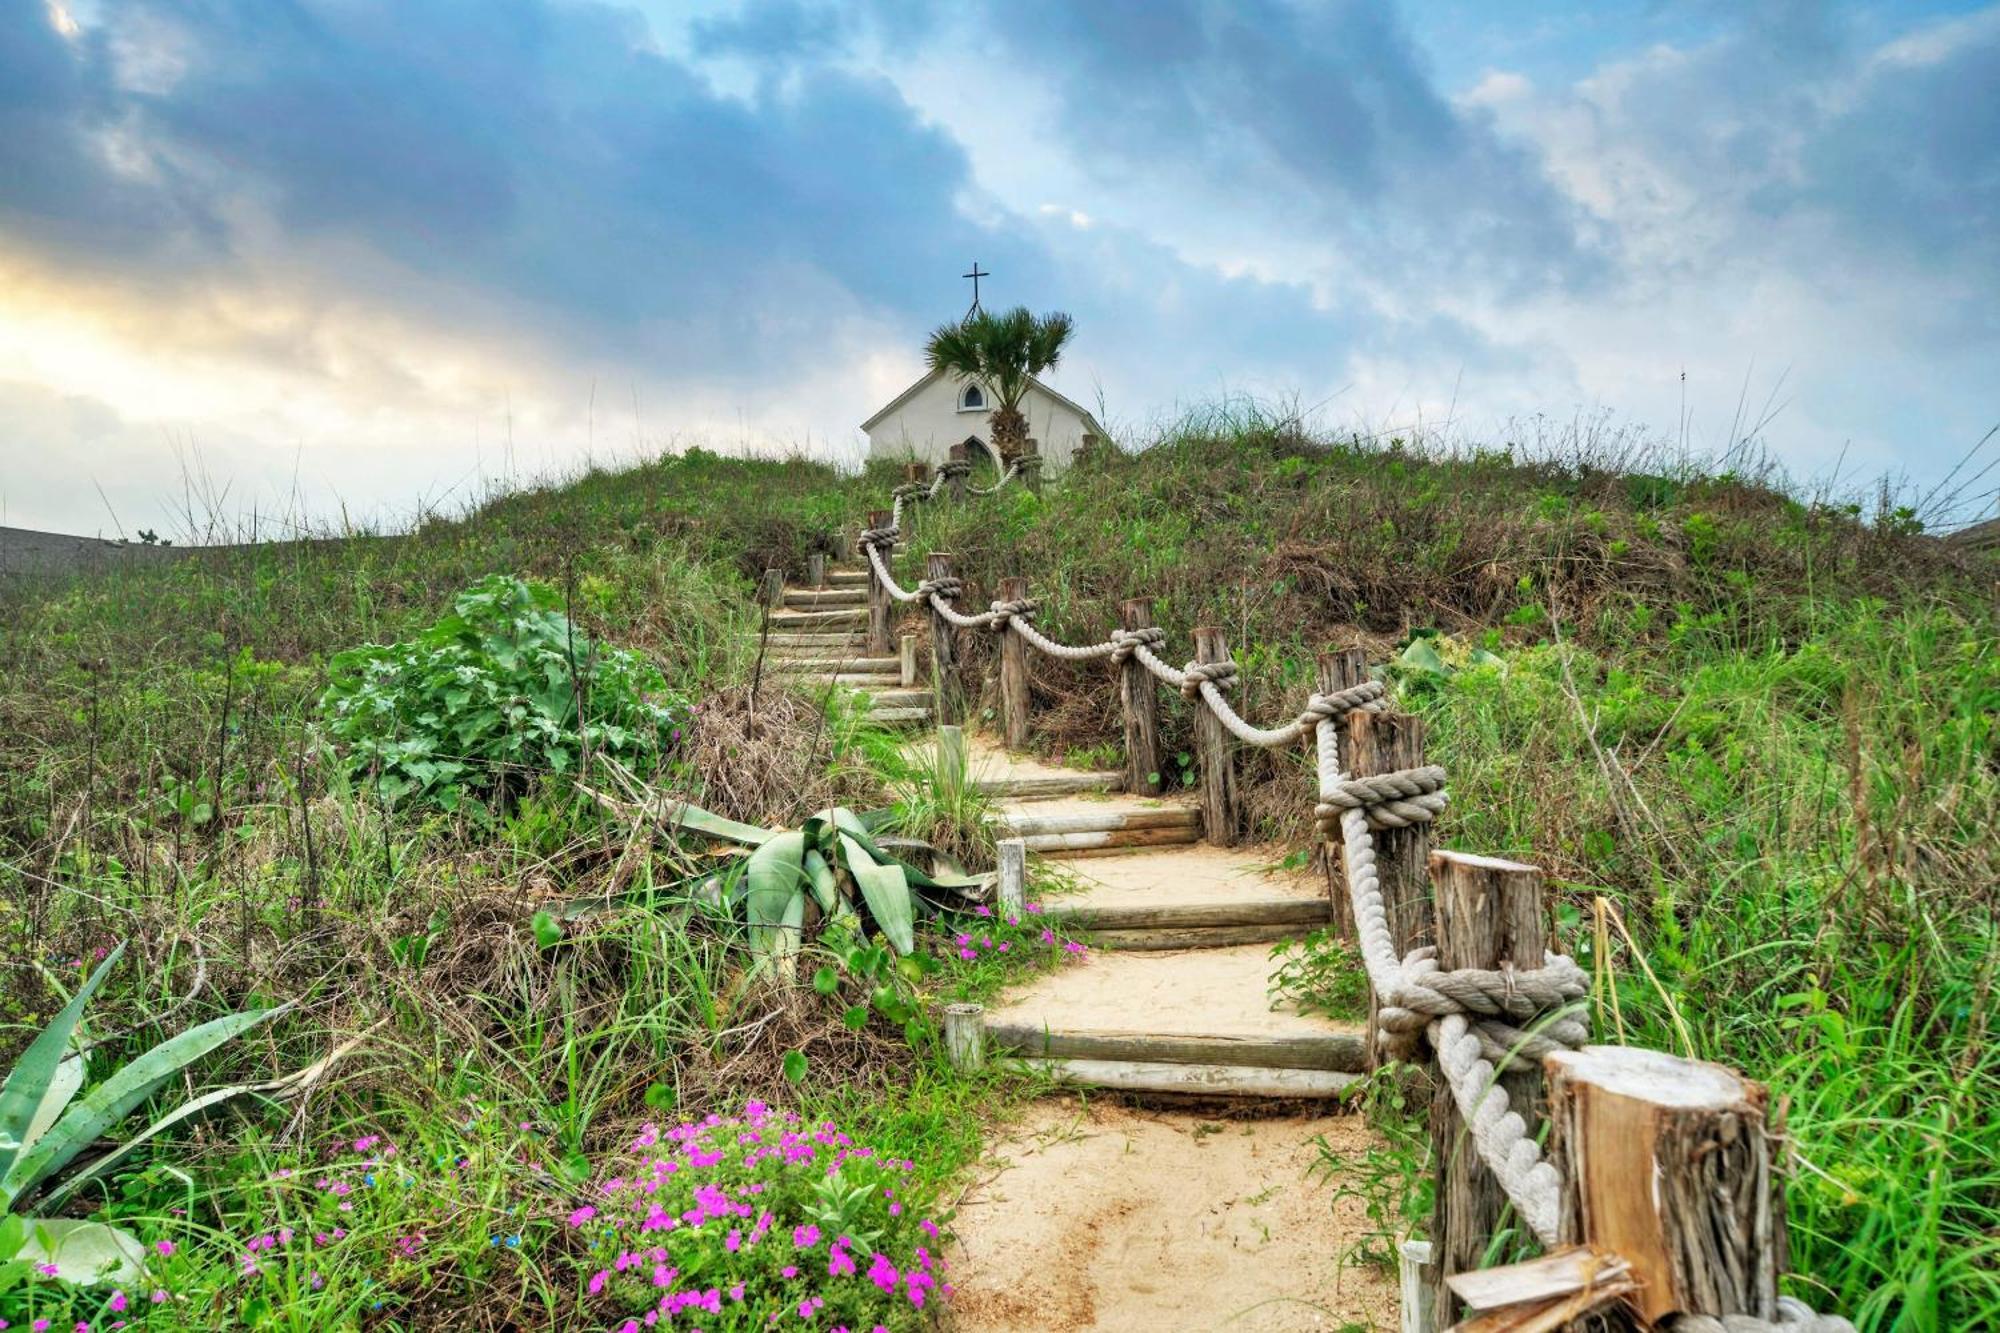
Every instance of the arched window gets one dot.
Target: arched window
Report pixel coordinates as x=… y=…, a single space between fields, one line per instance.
x=972 y=398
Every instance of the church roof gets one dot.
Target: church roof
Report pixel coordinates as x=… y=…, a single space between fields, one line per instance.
x=911 y=392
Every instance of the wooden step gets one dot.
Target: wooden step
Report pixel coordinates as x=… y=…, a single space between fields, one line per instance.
x=1190 y=898
x=807 y=599
x=1183 y=1080
x=1199 y=1022
x=899 y=717
x=1015 y=822
x=845 y=666
x=847 y=578
x=814 y=639
x=818 y=620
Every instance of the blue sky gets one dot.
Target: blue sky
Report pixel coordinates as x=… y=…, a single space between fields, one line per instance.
x=306 y=254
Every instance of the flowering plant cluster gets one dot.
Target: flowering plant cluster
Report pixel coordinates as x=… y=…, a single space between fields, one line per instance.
x=1015 y=937
x=758 y=1221
x=330 y=1238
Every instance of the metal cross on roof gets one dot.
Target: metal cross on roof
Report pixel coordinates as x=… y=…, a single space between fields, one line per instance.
x=976 y=274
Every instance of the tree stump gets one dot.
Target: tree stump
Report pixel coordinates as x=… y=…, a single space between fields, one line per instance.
x=1141 y=706
x=1221 y=803
x=1669 y=1163
x=1489 y=914
x=1013 y=673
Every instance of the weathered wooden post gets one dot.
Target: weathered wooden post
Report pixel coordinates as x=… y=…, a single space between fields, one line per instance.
x=965 y=1036
x=949 y=695
x=906 y=664
x=919 y=473
x=1339 y=670
x=951 y=762
x=1031 y=464
x=1489 y=915
x=1012 y=888
x=880 y=604
x=1013 y=672
x=1384 y=743
x=816 y=569
x=1215 y=750
x=1141 y=707
x=961 y=464
x=1670 y=1164
x=773 y=588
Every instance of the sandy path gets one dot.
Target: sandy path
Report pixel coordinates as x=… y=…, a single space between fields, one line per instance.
x=1106 y=1217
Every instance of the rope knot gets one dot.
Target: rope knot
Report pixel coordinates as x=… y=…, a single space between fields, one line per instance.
x=910 y=489
x=1389 y=800
x=954 y=467
x=1129 y=641
x=1196 y=674
x=948 y=587
x=876 y=537
x=1367 y=697
x=1005 y=611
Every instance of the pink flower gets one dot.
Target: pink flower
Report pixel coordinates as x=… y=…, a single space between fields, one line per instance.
x=165 y=1247
x=118 y=1302
x=582 y=1215
x=805 y=1237
x=789 y=1270
x=598 y=1281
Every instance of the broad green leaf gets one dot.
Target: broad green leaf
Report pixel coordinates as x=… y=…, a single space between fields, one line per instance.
x=774 y=900
x=1421 y=656
x=100 y=1165
x=826 y=981
x=85 y=1253
x=679 y=815
x=856 y=1018
x=824 y=886
x=795 y=1065
x=68 y=1079
x=32 y=1083
x=548 y=930
x=112 y=1100
x=887 y=893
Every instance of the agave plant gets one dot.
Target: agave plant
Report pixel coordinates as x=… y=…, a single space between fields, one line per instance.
x=836 y=858
x=45 y=1125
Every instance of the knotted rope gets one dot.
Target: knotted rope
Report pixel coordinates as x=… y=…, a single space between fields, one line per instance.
x=1390 y=800
x=1196 y=675
x=1002 y=613
x=1013 y=470
x=1125 y=642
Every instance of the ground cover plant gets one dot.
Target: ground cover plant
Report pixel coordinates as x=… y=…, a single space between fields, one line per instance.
x=1749 y=733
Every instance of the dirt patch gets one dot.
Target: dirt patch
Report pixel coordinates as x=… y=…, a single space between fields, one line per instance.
x=1106 y=1217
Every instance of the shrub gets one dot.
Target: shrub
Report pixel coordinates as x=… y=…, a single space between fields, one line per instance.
x=493 y=692
x=744 y=1221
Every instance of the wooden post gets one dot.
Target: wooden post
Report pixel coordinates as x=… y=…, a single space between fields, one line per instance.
x=1014 y=673
x=774 y=588
x=1339 y=670
x=880 y=604
x=1012 y=889
x=1489 y=915
x=1141 y=706
x=951 y=762
x=1669 y=1163
x=948 y=698
x=816 y=569
x=1414 y=1268
x=906 y=665
x=1031 y=464
x=1383 y=743
x=956 y=486
x=1215 y=749
x=965 y=1036
x=917 y=472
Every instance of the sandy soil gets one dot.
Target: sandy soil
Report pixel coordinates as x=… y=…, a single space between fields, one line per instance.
x=1219 y=992
x=1105 y=1217
x=1196 y=873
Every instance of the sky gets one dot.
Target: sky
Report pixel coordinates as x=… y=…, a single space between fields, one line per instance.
x=363 y=258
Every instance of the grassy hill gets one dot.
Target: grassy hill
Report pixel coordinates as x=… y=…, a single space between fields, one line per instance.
x=1752 y=738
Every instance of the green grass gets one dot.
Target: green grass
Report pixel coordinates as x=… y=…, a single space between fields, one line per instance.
x=1758 y=728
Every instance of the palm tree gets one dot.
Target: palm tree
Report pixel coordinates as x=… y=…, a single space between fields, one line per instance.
x=1003 y=353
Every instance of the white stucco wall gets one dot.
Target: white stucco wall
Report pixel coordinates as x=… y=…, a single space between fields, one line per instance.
x=925 y=427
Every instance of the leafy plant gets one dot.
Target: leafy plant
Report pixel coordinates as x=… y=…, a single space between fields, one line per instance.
x=1320 y=974
x=44 y=1125
x=503 y=686
x=1004 y=353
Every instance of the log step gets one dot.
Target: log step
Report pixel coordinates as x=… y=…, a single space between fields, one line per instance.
x=835 y=639
x=819 y=620
x=1179 y=1080
x=1017 y=823
x=844 y=666
x=807 y=599
x=899 y=716
x=1341 y=1052
x=847 y=578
